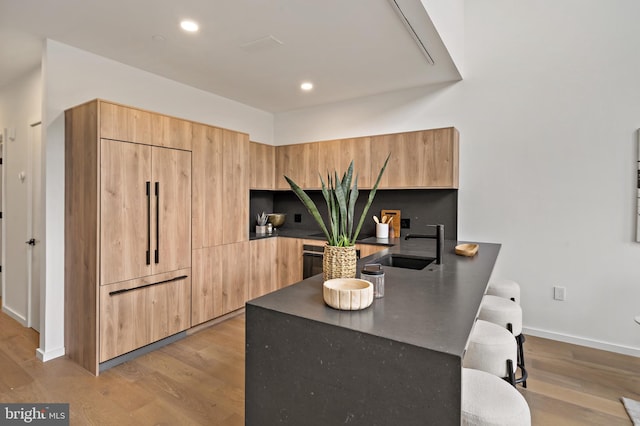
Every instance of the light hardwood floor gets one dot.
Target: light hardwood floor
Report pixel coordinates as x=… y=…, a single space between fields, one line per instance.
x=200 y=381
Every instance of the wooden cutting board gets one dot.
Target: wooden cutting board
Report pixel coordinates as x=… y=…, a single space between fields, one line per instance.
x=396 y=220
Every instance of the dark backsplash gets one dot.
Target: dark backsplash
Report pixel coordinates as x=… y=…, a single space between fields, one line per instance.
x=422 y=206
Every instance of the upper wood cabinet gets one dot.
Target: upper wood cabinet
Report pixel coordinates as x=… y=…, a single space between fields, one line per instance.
x=220 y=186
x=423 y=159
x=299 y=163
x=124 y=123
x=357 y=150
x=305 y=163
x=335 y=156
x=207 y=186
x=235 y=185
x=262 y=163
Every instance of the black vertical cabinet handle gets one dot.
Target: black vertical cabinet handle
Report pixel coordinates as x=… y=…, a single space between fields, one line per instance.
x=157 y=254
x=148 y=223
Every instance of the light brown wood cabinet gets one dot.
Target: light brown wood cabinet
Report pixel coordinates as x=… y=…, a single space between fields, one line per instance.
x=235 y=185
x=220 y=186
x=124 y=123
x=305 y=163
x=220 y=281
x=369 y=249
x=127 y=231
x=262 y=162
x=336 y=155
x=262 y=267
x=139 y=312
x=145 y=213
x=423 y=159
x=299 y=163
x=220 y=230
x=357 y=150
x=278 y=262
x=289 y=261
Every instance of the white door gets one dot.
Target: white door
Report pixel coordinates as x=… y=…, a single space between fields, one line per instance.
x=35 y=221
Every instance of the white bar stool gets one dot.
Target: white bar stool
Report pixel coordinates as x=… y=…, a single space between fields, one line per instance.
x=507 y=314
x=489 y=400
x=492 y=349
x=508 y=289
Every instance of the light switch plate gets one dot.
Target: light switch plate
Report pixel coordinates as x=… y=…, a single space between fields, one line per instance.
x=559 y=293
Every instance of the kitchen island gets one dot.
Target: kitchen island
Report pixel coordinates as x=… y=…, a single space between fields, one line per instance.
x=397 y=362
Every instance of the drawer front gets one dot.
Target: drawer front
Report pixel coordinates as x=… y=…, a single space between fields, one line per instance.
x=138 y=312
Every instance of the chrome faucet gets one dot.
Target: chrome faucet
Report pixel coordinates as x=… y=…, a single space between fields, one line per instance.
x=439 y=237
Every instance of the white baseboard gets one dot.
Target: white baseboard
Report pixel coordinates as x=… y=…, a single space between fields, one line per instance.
x=590 y=343
x=16 y=316
x=49 y=355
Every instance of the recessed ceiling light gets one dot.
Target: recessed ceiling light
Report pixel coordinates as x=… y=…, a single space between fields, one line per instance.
x=189 y=26
x=306 y=86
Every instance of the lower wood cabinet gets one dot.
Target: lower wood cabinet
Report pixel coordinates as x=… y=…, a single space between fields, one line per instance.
x=220 y=280
x=262 y=267
x=289 y=261
x=369 y=249
x=138 y=312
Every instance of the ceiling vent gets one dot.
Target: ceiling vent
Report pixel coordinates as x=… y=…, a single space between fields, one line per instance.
x=262 y=43
x=405 y=20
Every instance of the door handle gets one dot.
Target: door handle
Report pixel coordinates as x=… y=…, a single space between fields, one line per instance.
x=31 y=242
x=157 y=253
x=148 y=186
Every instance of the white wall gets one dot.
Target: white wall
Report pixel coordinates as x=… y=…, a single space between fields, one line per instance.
x=448 y=18
x=73 y=76
x=20 y=106
x=548 y=114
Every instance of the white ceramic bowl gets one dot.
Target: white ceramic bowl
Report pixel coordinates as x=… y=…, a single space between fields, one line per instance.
x=348 y=294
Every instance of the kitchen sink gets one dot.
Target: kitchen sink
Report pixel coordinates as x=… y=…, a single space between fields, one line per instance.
x=405 y=261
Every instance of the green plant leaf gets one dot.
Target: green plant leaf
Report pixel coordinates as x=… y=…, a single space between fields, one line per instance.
x=309 y=204
x=353 y=197
x=372 y=194
x=341 y=199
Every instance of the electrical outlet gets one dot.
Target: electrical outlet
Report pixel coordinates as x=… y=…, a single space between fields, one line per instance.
x=405 y=223
x=297 y=217
x=559 y=293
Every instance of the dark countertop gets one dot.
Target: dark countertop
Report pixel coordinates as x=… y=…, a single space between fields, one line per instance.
x=434 y=308
x=314 y=234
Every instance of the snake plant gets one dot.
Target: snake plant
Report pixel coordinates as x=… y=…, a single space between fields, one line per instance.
x=341 y=198
x=261 y=219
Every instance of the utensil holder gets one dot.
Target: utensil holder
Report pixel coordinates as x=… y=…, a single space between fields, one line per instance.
x=382 y=230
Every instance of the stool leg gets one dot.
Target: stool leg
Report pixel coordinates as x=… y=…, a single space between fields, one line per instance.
x=520 y=340
x=511 y=377
x=523 y=379
x=520 y=362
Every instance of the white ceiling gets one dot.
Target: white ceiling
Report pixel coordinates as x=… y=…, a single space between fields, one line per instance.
x=347 y=48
